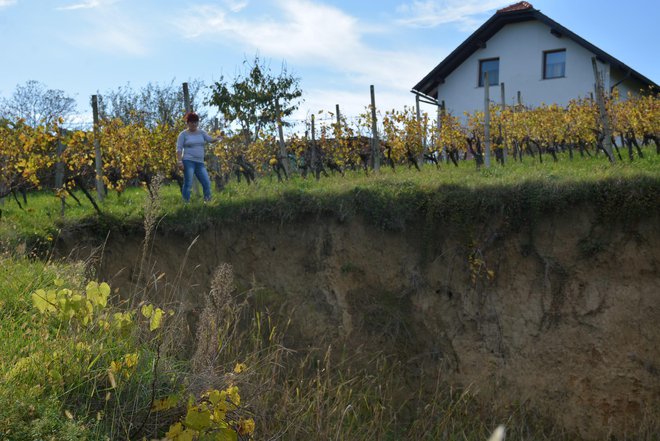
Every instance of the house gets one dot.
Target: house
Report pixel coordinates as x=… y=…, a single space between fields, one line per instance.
x=531 y=54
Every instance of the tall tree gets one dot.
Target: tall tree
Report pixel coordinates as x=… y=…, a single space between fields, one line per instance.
x=36 y=104
x=251 y=98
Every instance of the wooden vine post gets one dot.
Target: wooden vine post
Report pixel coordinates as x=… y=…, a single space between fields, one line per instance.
x=59 y=168
x=375 y=144
x=98 y=160
x=186 y=98
x=422 y=129
x=280 y=132
x=602 y=110
x=502 y=129
x=441 y=116
x=486 y=120
x=314 y=154
x=339 y=128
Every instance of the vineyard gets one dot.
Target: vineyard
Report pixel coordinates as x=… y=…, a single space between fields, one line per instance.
x=84 y=362
x=132 y=154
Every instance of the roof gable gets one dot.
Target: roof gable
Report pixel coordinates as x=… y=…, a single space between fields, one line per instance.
x=516 y=13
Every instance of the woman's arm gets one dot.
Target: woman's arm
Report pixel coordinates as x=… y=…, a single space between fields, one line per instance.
x=179 y=150
x=210 y=139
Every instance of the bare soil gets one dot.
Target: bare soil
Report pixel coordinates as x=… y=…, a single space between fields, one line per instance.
x=563 y=314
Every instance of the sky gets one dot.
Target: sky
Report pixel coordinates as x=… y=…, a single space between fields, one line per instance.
x=336 y=48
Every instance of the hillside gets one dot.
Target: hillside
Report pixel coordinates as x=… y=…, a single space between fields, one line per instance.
x=536 y=291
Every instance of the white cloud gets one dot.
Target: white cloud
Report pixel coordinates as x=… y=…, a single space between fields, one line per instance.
x=430 y=13
x=236 y=5
x=304 y=29
x=121 y=38
x=313 y=34
x=86 y=4
x=4 y=3
x=105 y=28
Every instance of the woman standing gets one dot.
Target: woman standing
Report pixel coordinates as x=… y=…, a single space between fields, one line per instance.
x=190 y=156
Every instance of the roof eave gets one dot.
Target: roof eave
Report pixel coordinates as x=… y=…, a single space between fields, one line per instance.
x=429 y=84
x=465 y=49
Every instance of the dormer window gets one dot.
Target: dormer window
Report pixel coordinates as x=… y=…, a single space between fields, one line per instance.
x=492 y=66
x=554 y=64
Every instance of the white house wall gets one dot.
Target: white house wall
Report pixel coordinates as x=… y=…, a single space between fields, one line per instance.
x=626 y=85
x=520 y=47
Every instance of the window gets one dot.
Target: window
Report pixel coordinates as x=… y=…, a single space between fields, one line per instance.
x=492 y=66
x=554 y=64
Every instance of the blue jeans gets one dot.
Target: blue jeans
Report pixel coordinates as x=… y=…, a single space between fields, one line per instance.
x=199 y=170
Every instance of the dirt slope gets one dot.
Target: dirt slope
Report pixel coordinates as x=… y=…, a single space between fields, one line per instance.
x=563 y=314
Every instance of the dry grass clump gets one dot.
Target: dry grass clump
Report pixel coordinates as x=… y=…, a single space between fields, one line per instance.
x=218 y=312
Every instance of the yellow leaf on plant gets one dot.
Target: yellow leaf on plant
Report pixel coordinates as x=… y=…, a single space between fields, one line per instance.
x=39 y=301
x=215 y=396
x=198 y=418
x=147 y=310
x=187 y=435
x=165 y=403
x=226 y=434
x=234 y=397
x=246 y=427
x=219 y=415
x=156 y=319
x=131 y=360
x=104 y=293
x=175 y=430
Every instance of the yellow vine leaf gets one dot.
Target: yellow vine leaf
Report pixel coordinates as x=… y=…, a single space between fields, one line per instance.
x=156 y=319
x=40 y=301
x=147 y=310
x=240 y=367
x=131 y=360
x=226 y=434
x=246 y=426
x=198 y=418
x=234 y=397
x=215 y=396
x=166 y=403
x=175 y=431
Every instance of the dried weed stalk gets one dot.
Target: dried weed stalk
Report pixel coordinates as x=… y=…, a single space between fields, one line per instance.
x=152 y=210
x=216 y=323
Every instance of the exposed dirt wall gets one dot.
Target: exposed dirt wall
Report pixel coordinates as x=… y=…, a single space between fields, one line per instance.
x=563 y=314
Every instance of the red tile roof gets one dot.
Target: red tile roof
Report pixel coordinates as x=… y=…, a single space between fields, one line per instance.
x=516 y=7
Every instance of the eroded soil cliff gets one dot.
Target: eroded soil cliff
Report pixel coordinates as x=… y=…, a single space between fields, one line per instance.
x=562 y=313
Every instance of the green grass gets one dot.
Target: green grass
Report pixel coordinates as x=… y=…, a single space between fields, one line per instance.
x=54 y=373
x=389 y=199
x=26 y=412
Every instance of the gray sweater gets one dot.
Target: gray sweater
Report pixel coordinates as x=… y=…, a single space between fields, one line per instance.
x=192 y=144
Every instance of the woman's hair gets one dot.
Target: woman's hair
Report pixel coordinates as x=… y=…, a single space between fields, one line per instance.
x=191 y=117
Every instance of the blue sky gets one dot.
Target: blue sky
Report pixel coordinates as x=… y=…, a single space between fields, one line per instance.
x=337 y=48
